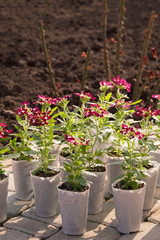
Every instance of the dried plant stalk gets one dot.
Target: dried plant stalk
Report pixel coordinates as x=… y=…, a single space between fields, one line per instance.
x=136 y=91
x=48 y=60
x=119 y=36
x=85 y=69
x=105 y=44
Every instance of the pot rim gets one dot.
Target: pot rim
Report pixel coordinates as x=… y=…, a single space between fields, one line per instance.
x=72 y=192
x=124 y=190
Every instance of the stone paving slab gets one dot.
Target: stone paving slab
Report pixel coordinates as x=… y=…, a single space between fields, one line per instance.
x=107 y=216
x=155 y=217
x=31 y=213
x=148 y=231
x=156 y=206
x=94 y=232
x=15 y=207
x=11 y=183
x=8 y=234
x=157 y=193
x=30 y=226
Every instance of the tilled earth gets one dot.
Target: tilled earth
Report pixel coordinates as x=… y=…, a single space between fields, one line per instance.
x=71 y=27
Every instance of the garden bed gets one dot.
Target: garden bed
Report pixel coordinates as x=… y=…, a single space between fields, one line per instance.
x=71 y=27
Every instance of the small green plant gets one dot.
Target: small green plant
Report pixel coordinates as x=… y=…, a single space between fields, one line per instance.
x=42 y=121
x=132 y=164
x=21 y=144
x=3 y=148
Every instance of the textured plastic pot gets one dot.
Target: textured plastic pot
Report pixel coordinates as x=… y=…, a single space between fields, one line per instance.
x=113 y=170
x=61 y=162
x=97 y=188
x=128 y=208
x=74 y=211
x=3 y=198
x=46 y=195
x=102 y=146
x=156 y=157
x=151 y=181
x=55 y=150
x=22 y=179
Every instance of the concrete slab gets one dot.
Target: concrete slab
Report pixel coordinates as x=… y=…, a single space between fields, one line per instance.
x=94 y=231
x=15 y=207
x=148 y=231
x=155 y=217
x=31 y=213
x=30 y=226
x=107 y=216
x=157 y=193
x=11 y=183
x=8 y=234
x=156 y=207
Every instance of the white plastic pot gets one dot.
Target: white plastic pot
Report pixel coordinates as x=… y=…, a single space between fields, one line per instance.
x=74 y=210
x=97 y=187
x=46 y=195
x=22 y=179
x=151 y=181
x=113 y=170
x=128 y=208
x=3 y=198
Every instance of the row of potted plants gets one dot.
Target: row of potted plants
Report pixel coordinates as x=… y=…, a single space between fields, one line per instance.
x=105 y=137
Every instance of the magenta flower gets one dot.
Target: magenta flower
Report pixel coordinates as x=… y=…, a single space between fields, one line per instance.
x=122 y=83
x=25 y=103
x=156 y=96
x=22 y=111
x=95 y=110
x=107 y=84
x=3 y=130
x=85 y=94
x=131 y=132
x=38 y=118
x=146 y=112
x=51 y=101
x=70 y=139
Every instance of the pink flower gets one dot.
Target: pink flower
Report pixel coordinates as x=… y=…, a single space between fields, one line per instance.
x=85 y=94
x=146 y=112
x=107 y=84
x=156 y=96
x=122 y=83
x=95 y=110
x=3 y=130
x=131 y=132
x=51 y=101
x=70 y=139
x=25 y=103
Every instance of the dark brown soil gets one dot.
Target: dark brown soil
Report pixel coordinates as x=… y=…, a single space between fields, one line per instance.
x=50 y=173
x=2 y=176
x=66 y=186
x=71 y=27
x=97 y=169
x=120 y=185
